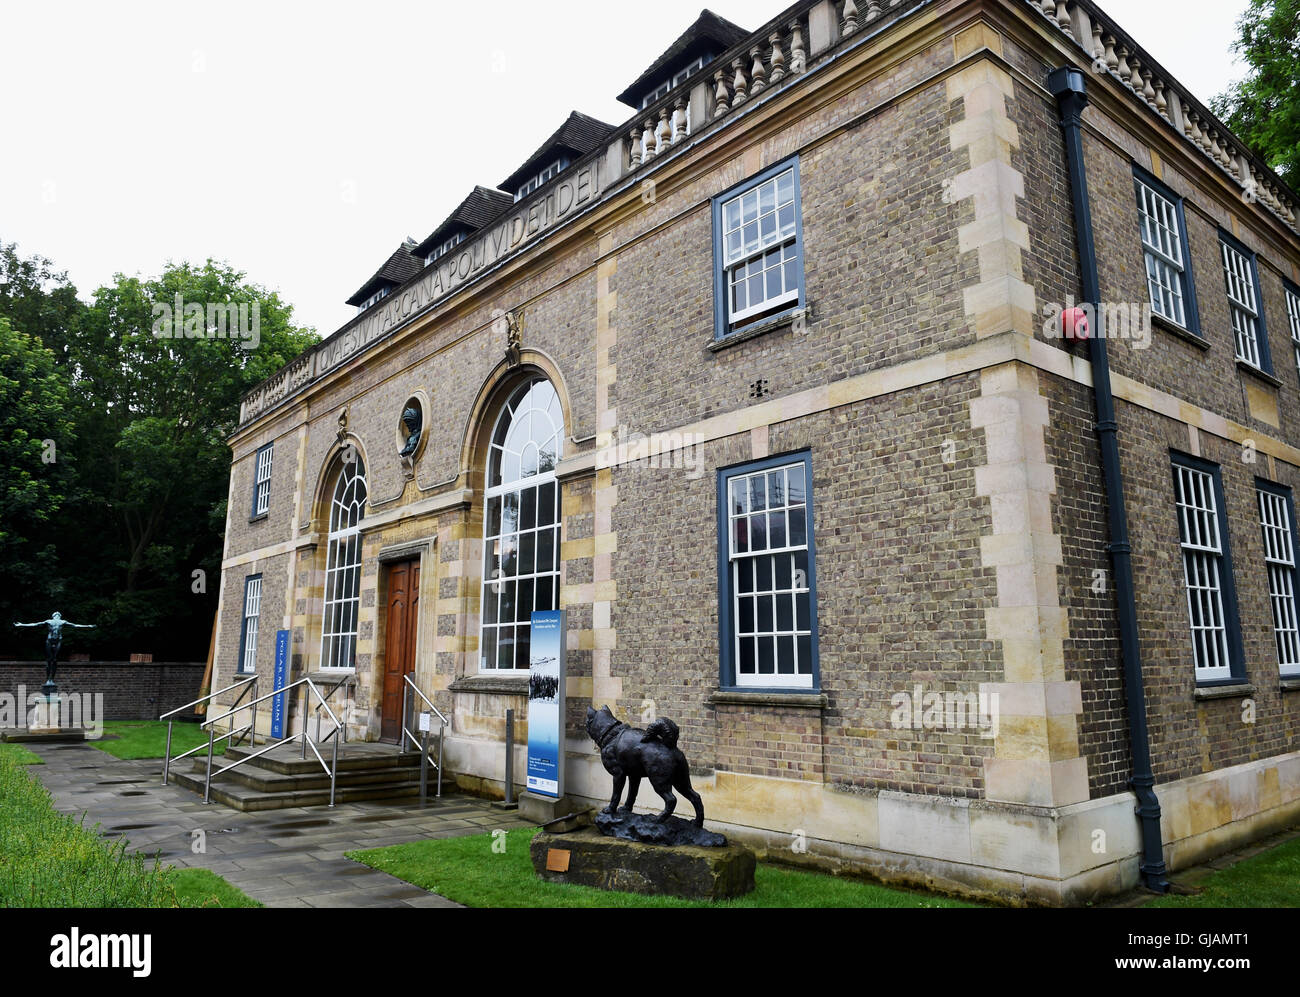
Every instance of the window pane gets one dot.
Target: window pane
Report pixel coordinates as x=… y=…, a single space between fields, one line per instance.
x=747 y=654
x=546 y=595
x=757 y=493
x=784 y=613
x=766 y=651
x=524 y=611
x=798 y=527
x=546 y=510
x=762 y=574
x=795 y=477
x=745 y=576
x=527 y=548
x=506 y=647
x=739 y=496
x=528 y=509
x=776 y=530
x=492 y=524
x=745 y=615
x=508 y=600
x=765 y=615
x=758 y=532
x=488 y=652
x=785 y=655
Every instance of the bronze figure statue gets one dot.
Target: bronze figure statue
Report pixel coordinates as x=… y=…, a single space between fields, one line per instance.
x=53 y=639
x=630 y=754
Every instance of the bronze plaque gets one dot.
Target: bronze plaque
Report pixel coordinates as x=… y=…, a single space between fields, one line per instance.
x=557 y=860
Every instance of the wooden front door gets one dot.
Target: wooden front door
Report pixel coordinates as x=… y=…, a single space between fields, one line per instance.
x=399 y=644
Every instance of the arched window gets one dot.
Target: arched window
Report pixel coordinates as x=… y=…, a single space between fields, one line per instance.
x=343 y=565
x=521 y=523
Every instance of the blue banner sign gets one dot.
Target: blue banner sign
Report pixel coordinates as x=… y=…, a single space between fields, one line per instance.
x=281 y=678
x=546 y=705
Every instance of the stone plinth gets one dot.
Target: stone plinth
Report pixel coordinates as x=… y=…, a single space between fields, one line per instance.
x=590 y=858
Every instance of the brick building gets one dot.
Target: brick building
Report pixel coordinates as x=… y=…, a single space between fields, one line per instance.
x=766 y=387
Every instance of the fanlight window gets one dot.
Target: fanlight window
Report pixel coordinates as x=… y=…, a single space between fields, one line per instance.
x=521 y=524
x=343 y=566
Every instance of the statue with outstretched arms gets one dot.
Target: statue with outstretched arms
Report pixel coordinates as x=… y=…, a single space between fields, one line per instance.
x=53 y=639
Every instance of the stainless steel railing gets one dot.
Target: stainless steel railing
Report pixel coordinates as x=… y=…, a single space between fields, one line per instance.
x=250 y=730
x=408 y=687
x=304 y=734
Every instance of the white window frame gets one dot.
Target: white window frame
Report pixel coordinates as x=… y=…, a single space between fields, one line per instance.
x=521 y=404
x=742 y=514
x=746 y=208
x=383 y=291
x=1204 y=565
x=676 y=80
x=1239 y=273
x=262 y=479
x=339 y=624
x=252 y=615
x=542 y=177
x=1162 y=246
x=1293 y=321
x=1275 y=517
x=447 y=246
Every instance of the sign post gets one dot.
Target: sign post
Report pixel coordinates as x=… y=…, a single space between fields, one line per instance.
x=546 y=705
x=281 y=675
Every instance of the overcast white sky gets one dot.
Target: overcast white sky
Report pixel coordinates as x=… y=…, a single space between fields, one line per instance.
x=302 y=142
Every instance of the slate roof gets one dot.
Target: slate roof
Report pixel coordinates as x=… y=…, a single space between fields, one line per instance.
x=397 y=269
x=709 y=35
x=579 y=135
x=481 y=206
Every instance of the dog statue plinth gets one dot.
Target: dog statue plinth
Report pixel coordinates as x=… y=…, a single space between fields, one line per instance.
x=630 y=754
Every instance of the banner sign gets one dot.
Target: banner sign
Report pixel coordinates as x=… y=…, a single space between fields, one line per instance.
x=546 y=705
x=281 y=677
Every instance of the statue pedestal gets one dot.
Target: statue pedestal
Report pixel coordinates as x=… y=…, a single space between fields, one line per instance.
x=590 y=858
x=44 y=718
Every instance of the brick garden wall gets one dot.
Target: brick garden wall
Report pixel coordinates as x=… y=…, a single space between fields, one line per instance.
x=131 y=691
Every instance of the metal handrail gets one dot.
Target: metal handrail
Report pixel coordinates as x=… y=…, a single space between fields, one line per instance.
x=251 y=729
x=309 y=687
x=274 y=693
x=348 y=680
x=424 y=747
x=247 y=681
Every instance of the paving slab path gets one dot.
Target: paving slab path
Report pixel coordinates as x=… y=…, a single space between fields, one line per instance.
x=283 y=858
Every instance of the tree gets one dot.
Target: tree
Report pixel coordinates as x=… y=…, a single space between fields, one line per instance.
x=37 y=299
x=1264 y=109
x=36 y=443
x=156 y=410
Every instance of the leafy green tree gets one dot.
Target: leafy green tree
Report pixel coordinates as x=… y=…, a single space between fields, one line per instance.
x=38 y=299
x=1264 y=108
x=156 y=411
x=36 y=444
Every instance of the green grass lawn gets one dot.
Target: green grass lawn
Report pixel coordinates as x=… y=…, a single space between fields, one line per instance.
x=48 y=859
x=148 y=739
x=467 y=871
x=1270 y=879
x=201 y=888
x=20 y=755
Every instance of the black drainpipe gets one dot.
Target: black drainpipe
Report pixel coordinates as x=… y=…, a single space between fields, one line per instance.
x=1068 y=86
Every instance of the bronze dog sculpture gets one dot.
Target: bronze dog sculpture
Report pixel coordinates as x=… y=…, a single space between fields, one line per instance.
x=630 y=755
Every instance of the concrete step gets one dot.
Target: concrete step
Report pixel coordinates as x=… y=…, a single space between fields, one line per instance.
x=243 y=797
x=355 y=757
x=272 y=781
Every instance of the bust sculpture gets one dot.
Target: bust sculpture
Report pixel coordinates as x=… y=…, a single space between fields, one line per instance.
x=413 y=421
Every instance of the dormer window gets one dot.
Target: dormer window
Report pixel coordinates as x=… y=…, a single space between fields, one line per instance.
x=446 y=247
x=371 y=300
x=677 y=80
x=547 y=174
